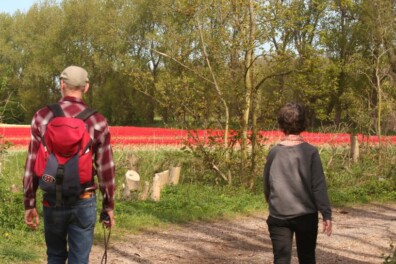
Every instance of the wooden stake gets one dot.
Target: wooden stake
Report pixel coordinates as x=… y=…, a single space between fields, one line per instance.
x=174 y=175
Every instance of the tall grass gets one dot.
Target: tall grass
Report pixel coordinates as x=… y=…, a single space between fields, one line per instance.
x=199 y=196
x=17 y=243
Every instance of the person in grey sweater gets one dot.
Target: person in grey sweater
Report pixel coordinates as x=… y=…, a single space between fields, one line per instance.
x=295 y=189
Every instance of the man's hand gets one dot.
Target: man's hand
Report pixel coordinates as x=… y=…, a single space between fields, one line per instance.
x=109 y=222
x=32 y=218
x=327 y=227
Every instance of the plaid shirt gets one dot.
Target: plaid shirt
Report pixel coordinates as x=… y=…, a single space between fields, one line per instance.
x=103 y=155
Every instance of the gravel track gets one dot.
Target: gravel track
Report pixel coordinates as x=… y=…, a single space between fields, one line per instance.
x=361 y=234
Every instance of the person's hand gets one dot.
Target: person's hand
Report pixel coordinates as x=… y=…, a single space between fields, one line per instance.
x=327 y=227
x=32 y=218
x=109 y=222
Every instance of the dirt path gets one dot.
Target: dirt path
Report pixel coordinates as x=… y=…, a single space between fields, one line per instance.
x=360 y=235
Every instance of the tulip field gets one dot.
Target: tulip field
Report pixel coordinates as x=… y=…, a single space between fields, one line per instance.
x=129 y=136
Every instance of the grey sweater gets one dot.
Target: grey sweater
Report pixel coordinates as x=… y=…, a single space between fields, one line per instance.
x=294 y=182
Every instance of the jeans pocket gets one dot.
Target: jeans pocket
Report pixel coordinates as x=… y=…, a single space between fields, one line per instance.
x=85 y=213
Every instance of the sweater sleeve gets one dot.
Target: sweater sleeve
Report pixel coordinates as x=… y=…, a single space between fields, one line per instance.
x=266 y=173
x=319 y=187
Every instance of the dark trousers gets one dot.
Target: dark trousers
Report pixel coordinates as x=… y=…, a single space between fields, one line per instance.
x=281 y=232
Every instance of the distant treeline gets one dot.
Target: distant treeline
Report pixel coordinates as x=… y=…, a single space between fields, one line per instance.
x=207 y=64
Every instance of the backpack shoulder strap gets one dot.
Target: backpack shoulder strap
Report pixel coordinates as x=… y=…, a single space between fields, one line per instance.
x=86 y=113
x=56 y=109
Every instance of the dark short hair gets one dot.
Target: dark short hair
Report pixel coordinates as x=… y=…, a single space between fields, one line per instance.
x=291 y=118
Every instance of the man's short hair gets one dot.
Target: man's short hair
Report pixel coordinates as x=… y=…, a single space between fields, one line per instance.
x=291 y=119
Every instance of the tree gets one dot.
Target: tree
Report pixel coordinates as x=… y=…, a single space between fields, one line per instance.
x=379 y=18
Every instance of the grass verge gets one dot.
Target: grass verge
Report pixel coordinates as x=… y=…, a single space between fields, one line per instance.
x=192 y=200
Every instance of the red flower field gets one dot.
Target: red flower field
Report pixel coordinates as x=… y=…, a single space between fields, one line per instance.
x=19 y=136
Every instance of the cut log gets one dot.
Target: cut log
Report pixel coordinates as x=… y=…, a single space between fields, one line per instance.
x=132 y=180
x=174 y=175
x=164 y=178
x=156 y=190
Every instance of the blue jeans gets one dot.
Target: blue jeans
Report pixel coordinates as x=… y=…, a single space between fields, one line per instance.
x=281 y=232
x=69 y=231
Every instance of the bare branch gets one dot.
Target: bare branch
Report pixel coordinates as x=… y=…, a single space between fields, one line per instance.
x=271 y=76
x=219 y=172
x=183 y=65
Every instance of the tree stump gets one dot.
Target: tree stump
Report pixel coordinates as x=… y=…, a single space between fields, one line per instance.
x=156 y=188
x=132 y=182
x=161 y=179
x=174 y=175
x=164 y=178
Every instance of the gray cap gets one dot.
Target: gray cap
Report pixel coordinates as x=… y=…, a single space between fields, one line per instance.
x=75 y=76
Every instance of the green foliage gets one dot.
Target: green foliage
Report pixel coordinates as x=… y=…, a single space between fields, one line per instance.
x=222 y=164
x=363 y=181
x=197 y=197
x=11 y=216
x=185 y=68
x=390 y=259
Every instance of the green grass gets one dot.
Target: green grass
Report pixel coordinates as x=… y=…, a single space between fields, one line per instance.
x=180 y=204
x=17 y=243
x=197 y=198
x=185 y=203
x=21 y=246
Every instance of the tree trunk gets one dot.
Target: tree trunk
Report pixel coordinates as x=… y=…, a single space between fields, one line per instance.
x=249 y=65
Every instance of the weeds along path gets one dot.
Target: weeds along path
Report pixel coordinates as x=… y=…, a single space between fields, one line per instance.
x=361 y=234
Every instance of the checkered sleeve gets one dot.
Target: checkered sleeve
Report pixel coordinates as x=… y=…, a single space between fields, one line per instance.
x=104 y=164
x=30 y=182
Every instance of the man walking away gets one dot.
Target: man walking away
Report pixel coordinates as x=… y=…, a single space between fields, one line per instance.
x=69 y=201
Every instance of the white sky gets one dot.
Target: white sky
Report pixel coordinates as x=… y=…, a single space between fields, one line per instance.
x=11 y=6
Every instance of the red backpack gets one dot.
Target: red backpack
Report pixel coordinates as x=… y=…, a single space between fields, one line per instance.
x=64 y=160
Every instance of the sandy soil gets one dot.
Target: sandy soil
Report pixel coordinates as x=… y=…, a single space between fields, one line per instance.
x=360 y=235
